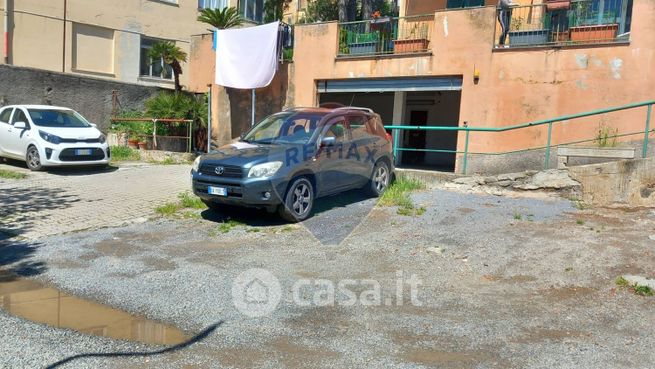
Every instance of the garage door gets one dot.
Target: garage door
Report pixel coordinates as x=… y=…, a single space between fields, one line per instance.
x=390 y=84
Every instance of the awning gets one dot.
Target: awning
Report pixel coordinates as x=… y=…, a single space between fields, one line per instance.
x=390 y=84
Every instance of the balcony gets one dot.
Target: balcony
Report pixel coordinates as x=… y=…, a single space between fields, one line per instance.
x=385 y=36
x=584 y=22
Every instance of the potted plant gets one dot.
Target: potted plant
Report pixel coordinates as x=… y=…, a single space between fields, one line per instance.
x=363 y=43
x=415 y=41
x=143 y=145
x=533 y=34
x=133 y=141
x=590 y=26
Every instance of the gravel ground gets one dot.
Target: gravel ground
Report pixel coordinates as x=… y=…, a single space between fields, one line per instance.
x=506 y=283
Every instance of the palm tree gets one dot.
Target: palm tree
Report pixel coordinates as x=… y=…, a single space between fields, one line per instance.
x=221 y=18
x=171 y=55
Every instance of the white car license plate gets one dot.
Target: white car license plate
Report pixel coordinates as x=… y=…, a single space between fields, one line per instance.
x=219 y=191
x=81 y=152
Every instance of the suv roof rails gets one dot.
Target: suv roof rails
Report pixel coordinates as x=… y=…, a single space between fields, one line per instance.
x=355 y=108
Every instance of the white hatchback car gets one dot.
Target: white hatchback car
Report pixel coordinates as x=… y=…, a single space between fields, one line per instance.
x=48 y=136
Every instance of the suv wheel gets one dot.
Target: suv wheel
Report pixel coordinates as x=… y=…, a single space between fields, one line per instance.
x=380 y=179
x=33 y=159
x=298 y=201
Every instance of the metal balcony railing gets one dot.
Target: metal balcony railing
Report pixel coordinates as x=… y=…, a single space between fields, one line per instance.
x=385 y=36
x=583 y=22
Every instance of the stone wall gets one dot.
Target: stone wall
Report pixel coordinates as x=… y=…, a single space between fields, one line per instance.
x=91 y=97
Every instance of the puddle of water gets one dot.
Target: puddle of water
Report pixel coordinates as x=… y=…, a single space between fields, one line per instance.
x=33 y=301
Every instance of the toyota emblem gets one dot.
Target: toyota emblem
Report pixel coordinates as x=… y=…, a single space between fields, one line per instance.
x=219 y=170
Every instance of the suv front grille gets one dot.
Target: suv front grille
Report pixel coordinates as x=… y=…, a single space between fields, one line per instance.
x=229 y=171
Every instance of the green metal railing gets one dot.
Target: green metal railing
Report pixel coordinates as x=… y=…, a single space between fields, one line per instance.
x=386 y=35
x=583 y=22
x=549 y=144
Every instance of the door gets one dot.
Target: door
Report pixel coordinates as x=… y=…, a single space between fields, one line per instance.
x=17 y=138
x=5 y=125
x=335 y=173
x=415 y=139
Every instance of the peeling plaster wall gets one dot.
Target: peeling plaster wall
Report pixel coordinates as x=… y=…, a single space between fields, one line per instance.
x=515 y=86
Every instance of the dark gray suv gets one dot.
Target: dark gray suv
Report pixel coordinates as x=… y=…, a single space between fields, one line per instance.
x=293 y=157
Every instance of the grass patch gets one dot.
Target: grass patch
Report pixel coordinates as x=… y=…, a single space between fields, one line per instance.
x=253 y=230
x=288 y=228
x=579 y=222
x=229 y=225
x=635 y=288
x=517 y=216
x=124 y=153
x=10 y=174
x=622 y=282
x=398 y=195
x=568 y=269
x=643 y=290
x=186 y=201
x=167 y=209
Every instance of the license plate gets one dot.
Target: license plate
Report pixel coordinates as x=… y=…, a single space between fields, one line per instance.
x=218 y=191
x=81 y=152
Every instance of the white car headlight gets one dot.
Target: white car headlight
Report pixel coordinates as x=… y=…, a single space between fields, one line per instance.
x=196 y=164
x=264 y=170
x=50 y=137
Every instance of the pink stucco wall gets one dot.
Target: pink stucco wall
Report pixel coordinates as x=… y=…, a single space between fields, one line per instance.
x=515 y=85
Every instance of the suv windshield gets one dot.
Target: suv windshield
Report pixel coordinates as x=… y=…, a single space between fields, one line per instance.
x=57 y=118
x=290 y=127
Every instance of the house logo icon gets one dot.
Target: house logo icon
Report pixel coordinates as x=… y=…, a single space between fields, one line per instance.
x=256 y=292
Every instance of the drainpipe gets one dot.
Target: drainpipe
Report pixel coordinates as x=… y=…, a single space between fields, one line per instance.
x=63 y=54
x=6 y=24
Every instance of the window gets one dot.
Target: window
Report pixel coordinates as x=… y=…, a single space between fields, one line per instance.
x=6 y=115
x=93 y=49
x=57 y=118
x=252 y=9
x=358 y=126
x=150 y=67
x=213 y=4
x=338 y=131
x=19 y=117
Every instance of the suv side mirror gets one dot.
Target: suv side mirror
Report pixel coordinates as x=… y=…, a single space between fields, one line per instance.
x=20 y=125
x=328 y=141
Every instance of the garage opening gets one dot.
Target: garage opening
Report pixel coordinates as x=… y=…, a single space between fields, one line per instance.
x=414 y=102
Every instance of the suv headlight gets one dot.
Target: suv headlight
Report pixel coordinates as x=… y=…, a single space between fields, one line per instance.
x=50 y=137
x=196 y=164
x=102 y=139
x=264 y=170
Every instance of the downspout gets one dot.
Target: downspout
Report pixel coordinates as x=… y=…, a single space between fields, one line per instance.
x=63 y=54
x=6 y=26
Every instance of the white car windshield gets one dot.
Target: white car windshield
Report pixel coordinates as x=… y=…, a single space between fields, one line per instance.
x=285 y=128
x=57 y=118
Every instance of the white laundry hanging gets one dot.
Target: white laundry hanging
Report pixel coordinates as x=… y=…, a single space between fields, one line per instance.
x=246 y=58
